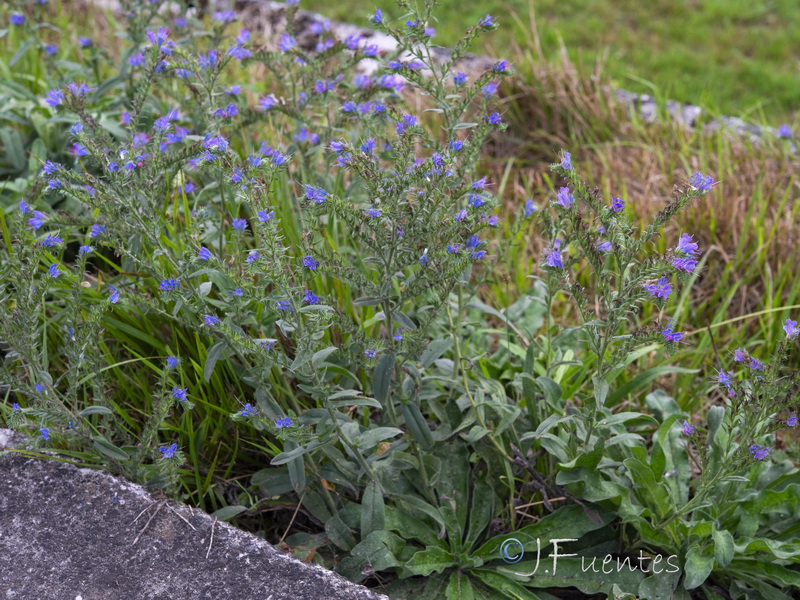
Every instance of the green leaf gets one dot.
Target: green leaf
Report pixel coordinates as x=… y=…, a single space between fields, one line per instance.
x=723 y=546
x=434 y=350
x=551 y=390
x=372 y=509
x=481 y=510
x=95 y=410
x=228 y=512
x=715 y=417
x=430 y=560
x=339 y=533
x=417 y=425
x=371 y=437
x=697 y=568
x=459 y=588
x=567 y=522
x=103 y=446
x=368 y=301
x=585 y=575
x=213 y=356
x=383 y=377
x=363 y=401
x=600 y=390
x=297 y=469
x=778 y=574
x=320 y=356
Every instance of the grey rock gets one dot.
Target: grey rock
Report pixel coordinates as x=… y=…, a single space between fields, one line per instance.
x=68 y=533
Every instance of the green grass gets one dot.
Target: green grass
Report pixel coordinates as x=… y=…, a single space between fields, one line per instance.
x=734 y=57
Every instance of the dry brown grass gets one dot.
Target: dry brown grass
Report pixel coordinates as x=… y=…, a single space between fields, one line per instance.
x=751 y=221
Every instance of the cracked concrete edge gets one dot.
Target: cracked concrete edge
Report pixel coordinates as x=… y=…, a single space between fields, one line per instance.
x=272 y=16
x=227 y=535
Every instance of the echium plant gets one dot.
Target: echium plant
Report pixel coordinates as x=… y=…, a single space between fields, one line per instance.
x=693 y=490
x=239 y=242
x=625 y=270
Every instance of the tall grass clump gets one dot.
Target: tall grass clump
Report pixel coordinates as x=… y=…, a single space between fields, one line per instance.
x=267 y=296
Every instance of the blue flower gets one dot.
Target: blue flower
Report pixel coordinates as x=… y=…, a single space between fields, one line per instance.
x=759 y=452
x=51 y=49
x=373 y=212
x=225 y=16
x=283 y=422
x=688 y=429
x=701 y=182
x=205 y=254
x=530 y=207
x=84 y=249
x=169 y=284
x=310 y=263
x=210 y=320
x=15 y=407
x=76 y=129
x=372 y=353
x=39 y=387
x=460 y=79
x=377 y=18
x=310 y=298
x=265 y=216
x=398 y=336
x=316 y=194
x=565 y=198
x=17 y=19
x=423 y=259
x=454 y=248
x=253 y=256
x=85 y=42
x=684 y=264
x=240 y=224
x=54 y=97
x=285 y=305
x=179 y=393
x=53 y=270
x=475 y=200
x=566 y=161
x=234 y=90
x=553 y=259
x=604 y=246
x=172 y=362
x=236 y=293
x=791 y=329
x=791 y=421
x=97 y=230
x=136 y=60
x=493 y=119
x=617 y=204
x=248 y=410
x=755 y=364
x=52 y=240
x=37 y=220
x=723 y=378
x=740 y=355
x=114 y=298
x=486 y=21
x=785 y=131
x=662 y=289
x=45 y=433
x=670 y=335
x=490 y=89
x=168 y=451
x=686 y=245
x=501 y=67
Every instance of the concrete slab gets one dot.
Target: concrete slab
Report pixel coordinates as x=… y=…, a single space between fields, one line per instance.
x=68 y=533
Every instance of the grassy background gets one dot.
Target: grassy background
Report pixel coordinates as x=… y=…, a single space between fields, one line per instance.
x=733 y=57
